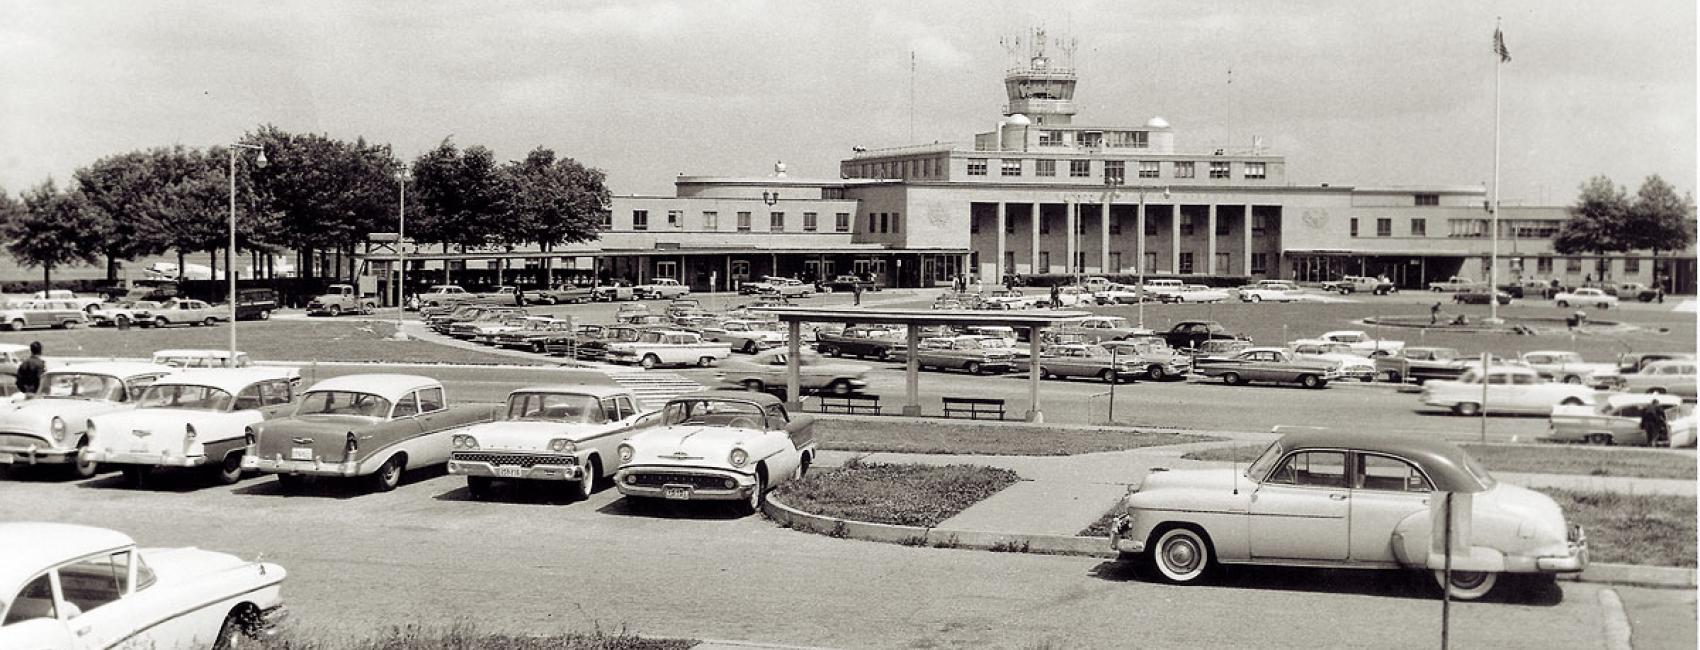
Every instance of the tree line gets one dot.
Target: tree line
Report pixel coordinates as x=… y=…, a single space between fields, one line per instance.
x=316 y=195
x=1605 y=219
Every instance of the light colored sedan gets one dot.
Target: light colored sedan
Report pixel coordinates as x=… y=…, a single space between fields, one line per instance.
x=1586 y=297
x=1081 y=360
x=767 y=371
x=718 y=446
x=1347 y=500
x=196 y=418
x=1673 y=376
x=1614 y=421
x=1509 y=389
x=549 y=435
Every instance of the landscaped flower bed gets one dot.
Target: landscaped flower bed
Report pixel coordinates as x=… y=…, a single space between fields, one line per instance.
x=901 y=494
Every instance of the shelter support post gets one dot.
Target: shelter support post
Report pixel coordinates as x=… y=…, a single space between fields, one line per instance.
x=912 y=373
x=793 y=368
x=1034 y=413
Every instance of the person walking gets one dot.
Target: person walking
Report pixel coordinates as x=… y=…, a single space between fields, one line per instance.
x=29 y=372
x=1434 y=313
x=1056 y=296
x=1654 y=424
x=857 y=291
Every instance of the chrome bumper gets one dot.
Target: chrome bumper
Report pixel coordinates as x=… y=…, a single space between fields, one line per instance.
x=1576 y=560
x=142 y=458
x=36 y=456
x=311 y=467
x=515 y=472
x=685 y=491
x=1118 y=527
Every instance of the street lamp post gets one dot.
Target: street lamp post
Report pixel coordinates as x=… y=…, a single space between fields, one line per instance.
x=401 y=254
x=1139 y=264
x=230 y=253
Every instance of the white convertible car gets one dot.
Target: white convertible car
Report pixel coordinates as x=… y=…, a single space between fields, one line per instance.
x=552 y=434
x=47 y=428
x=1345 y=500
x=717 y=445
x=1510 y=389
x=65 y=587
x=196 y=418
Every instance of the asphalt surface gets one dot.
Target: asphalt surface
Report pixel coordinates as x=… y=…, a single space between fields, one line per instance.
x=425 y=553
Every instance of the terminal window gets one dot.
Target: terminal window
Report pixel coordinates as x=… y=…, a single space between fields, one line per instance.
x=1254 y=170
x=1428 y=199
x=1222 y=227
x=1011 y=167
x=976 y=166
x=1044 y=168
x=1419 y=227
x=1184 y=170
x=1186 y=263
x=1080 y=168
x=1050 y=138
x=743 y=222
x=1219 y=169
x=811 y=221
x=711 y=220
x=1186 y=225
x=1259 y=262
x=841 y=222
x=776 y=221
x=1354 y=226
x=640 y=220
x=1115 y=170
x=675 y=218
x=1384 y=227
x=1631 y=265
x=1572 y=265
x=1259 y=223
x=1148 y=169
x=1543 y=265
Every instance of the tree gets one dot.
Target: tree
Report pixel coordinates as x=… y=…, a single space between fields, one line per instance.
x=125 y=192
x=54 y=228
x=549 y=201
x=1596 y=220
x=1657 y=220
x=459 y=197
x=323 y=193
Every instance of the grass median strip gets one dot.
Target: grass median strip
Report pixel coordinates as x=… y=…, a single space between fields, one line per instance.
x=1632 y=528
x=1531 y=459
x=315 y=339
x=899 y=494
x=924 y=437
x=466 y=636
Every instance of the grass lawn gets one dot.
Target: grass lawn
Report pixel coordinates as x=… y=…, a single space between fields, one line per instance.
x=318 y=339
x=902 y=494
x=1556 y=459
x=1101 y=528
x=1632 y=528
x=978 y=438
x=461 y=636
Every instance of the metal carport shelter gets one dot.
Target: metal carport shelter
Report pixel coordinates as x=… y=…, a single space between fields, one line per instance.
x=1033 y=321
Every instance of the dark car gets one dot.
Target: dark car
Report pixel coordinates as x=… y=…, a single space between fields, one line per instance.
x=1190 y=333
x=1420 y=364
x=867 y=342
x=255 y=304
x=848 y=283
x=1479 y=297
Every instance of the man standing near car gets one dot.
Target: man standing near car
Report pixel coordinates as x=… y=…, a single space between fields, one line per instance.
x=29 y=372
x=1653 y=423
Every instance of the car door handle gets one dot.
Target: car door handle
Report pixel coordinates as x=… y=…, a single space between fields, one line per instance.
x=1337 y=496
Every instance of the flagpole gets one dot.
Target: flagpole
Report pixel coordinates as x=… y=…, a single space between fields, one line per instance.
x=1493 y=260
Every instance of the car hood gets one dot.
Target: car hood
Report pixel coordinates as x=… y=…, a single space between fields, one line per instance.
x=187 y=564
x=36 y=412
x=1216 y=477
x=530 y=436
x=688 y=444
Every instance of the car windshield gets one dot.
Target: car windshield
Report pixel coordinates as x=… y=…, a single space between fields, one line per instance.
x=713 y=413
x=83 y=385
x=1260 y=467
x=342 y=402
x=186 y=396
x=555 y=407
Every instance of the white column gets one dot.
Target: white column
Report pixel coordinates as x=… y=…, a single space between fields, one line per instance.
x=1035 y=246
x=1246 y=236
x=1104 y=239
x=1139 y=238
x=1210 y=236
x=793 y=369
x=912 y=372
x=1003 y=244
x=1034 y=336
x=1174 y=238
x=1071 y=245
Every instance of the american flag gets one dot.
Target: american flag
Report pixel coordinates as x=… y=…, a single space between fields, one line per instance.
x=1499 y=46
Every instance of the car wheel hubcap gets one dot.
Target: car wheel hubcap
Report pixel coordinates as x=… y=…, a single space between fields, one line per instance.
x=1181 y=556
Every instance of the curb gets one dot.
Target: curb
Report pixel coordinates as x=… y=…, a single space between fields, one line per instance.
x=1600 y=573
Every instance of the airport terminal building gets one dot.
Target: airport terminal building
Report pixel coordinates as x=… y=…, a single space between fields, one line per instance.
x=1041 y=193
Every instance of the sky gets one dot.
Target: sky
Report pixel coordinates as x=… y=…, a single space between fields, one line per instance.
x=1367 y=92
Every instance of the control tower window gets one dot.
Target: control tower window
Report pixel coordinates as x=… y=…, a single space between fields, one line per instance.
x=1050 y=138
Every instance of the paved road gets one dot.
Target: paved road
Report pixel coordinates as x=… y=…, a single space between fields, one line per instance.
x=426 y=554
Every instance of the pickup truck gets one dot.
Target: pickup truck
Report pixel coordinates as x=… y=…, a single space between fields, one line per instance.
x=1361 y=284
x=662 y=289
x=671 y=347
x=562 y=293
x=340 y=299
x=1453 y=283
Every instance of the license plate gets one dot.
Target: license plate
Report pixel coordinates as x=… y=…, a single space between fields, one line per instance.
x=140 y=433
x=7 y=459
x=301 y=453
x=510 y=472
x=676 y=492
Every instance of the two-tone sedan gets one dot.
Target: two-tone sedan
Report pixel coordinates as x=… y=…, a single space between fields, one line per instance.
x=718 y=446
x=974 y=354
x=1347 y=500
x=1155 y=359
x=1615 y=420
x=1082 y=360
x=747 y=336
x=1265 y=364
x=195 y=418
x=48 y=428
x=767 y=370
x=549 y=435
x=1508 y=389
x=373 y=426
x=65 y=587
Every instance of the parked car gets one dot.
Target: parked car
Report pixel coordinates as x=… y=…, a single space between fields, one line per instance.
x=183 y=311
x=1154 y=358
x=364 y=425
x=975 y=354
x=766 y=371
x=1348 y=363
x=1268 y=291
x=30 y=314
x=559 y=294
x=1479 y=296
x=1565 y=366
x=1615 y=420
x=444 y=294
x=594 y=346
x=567 y=343
x=683 y=306
x=1189 y=334
x=549 y=435
x=662 y=289
x=668 y=347
x=1670 y=376
x=1120 y=294
x=1454 y=283
x=1217 y=348
x=1197 y=293
x=68 y=586
x=865 y=341
x=744 y=335
x=1420 y=364
x=1159 y=289
x=1379 y=286
x=1082 y=360
x=848 y=283
x=49 y=428
x=1586 y=297
x=1265 y=364
x=1013 y=299
x=66 y=295
x=614 y=291
x=1348 y=500
x=717 y=445
x=122 y=314
x=195 y=418
x=1635 y=291
x=532 y=332
x=11 y=355
x=255 y=303
x=1510 y=389
x=490 y=320
x=339 y=299
x=1097 y=329
x=487 y=331
x=1362 y=343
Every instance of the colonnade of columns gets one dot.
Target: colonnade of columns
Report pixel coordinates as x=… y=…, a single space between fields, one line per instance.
x=1073 y=215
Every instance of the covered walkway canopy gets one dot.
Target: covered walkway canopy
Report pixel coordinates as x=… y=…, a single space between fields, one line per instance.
x=1034 y=322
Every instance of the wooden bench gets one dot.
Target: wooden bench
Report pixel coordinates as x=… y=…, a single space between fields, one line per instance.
x=973 y=407
x=850 y=403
